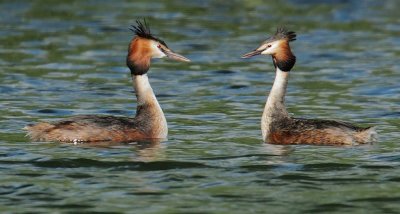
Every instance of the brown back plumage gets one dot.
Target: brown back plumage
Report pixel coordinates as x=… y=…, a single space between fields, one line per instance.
x=88 y=128
x=319 y=132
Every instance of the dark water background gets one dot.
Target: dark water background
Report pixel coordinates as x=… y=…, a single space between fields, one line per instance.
x=63 y=58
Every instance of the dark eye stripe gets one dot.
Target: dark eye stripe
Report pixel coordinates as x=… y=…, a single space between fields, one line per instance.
x=162 y=49
x=161 y=41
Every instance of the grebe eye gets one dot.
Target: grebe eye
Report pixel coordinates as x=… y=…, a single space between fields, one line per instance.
x=159 y=46
x=269 y=46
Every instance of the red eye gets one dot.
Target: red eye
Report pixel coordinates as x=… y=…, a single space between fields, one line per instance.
x=269 y=46
x=158 y=46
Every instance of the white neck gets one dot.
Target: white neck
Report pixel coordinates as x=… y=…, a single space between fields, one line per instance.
x=143 y=90
x=275 y=107
x=149 y=112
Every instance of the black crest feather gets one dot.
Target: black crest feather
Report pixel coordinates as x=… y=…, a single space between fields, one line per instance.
x=142 y=29
x=283 y=33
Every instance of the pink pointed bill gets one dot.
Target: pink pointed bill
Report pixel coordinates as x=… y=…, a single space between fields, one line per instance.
x=176 y=56
x=252 y=53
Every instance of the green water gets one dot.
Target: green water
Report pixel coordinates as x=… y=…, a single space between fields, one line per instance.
x=63 y=58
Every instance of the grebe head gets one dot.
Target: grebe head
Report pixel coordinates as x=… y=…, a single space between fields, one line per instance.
x=278 y=47
x=145 y=46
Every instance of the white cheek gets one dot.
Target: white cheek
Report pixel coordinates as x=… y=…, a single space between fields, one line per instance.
x=269 y=51
x=157 y=53
x=266 y=52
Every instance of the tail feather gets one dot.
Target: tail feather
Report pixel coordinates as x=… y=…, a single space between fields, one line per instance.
x=37 y=131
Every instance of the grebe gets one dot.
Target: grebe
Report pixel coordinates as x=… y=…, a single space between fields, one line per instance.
x=278 y=127
x=149 y=122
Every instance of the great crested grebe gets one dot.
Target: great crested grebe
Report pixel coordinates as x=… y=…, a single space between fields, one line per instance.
x=276 y=124
x=149 y=122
